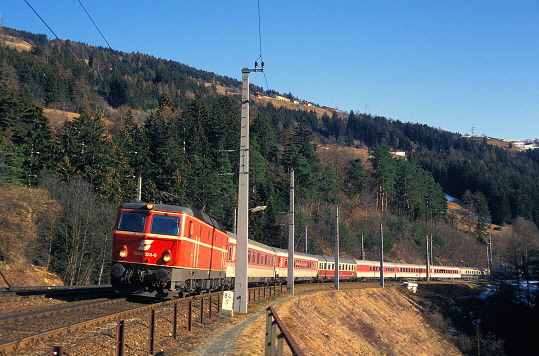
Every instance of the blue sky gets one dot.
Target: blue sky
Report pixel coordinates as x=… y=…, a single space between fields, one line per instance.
x=449 y=64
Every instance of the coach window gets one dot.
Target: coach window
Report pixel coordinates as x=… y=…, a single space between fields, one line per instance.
x=258 y=258
x=165 y=224
x=249 y=256
x=132 y=221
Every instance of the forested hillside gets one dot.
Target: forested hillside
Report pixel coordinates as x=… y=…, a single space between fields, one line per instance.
x=169 y=124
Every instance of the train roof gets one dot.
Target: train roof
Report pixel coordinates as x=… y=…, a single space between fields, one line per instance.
x=332 y=259
x=177 y=209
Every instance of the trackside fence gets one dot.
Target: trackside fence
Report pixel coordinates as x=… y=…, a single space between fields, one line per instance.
x=274 y=340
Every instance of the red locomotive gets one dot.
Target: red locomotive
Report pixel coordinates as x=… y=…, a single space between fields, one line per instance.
x=165 y=251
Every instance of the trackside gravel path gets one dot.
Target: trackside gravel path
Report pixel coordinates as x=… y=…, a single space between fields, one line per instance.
x=223 y=342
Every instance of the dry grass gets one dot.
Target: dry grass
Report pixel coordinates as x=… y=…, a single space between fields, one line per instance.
x=355 y=322
x=339 y=156
x=14 y=42
x=58 y=117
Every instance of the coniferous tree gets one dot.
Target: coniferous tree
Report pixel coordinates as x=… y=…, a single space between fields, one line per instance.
x=385 y=169
x=170 y=170
x=134 y=155
x=86 y=151
x=356 y=178
x=199 y=154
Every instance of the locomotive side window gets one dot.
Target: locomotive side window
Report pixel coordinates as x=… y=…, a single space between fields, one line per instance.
x=132 y=221
x=165 y=224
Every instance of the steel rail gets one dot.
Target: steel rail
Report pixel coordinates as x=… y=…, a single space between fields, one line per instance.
x=17 y=346
x=7 y=319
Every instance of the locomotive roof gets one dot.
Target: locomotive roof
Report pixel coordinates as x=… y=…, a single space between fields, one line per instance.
x=177 y=209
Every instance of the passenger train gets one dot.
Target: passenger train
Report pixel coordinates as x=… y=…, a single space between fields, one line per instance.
x=166 y=251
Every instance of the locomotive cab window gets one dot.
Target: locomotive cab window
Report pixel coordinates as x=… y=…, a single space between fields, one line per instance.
x=165 y=224
x=132 y=221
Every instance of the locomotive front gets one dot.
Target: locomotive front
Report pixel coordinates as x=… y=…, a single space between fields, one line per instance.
x=142 y=250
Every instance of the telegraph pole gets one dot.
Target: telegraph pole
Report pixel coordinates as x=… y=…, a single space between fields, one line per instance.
x=362 y=248
x=337 y=238
x=138 y=198
x=382 y=284
x=427 y=259
x=241 y=279
x=305 y=239
x=291 y=223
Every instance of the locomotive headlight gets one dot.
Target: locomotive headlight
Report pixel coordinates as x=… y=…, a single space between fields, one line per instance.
x=123 y=251
x=149 y=206
x=166 y=256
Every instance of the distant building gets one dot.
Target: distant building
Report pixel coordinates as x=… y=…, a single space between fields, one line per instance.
x=282 y=98
x=400 y=154
x=329 y=108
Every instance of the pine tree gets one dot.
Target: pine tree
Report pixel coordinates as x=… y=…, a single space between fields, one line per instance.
x=384 y=167
x=134 y=155
x=88 y=152
x=356 y=178
x=170 y=170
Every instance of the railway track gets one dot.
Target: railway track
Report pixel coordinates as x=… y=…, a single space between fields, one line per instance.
x=33 y=332
x=27 y=316
x=67 y=292
x=91 y=328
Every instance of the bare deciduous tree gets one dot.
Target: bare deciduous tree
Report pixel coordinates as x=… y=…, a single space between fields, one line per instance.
x=81 y=247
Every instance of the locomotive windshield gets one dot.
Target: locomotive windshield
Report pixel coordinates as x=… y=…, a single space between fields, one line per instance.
x=132 y=221
x=165 y=224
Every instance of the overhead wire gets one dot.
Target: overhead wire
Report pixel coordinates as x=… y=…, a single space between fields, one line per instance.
x=50 y=29
x=260 y=44
x=90 y=17
x=103 y=36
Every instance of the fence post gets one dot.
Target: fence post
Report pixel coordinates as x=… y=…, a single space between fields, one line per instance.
x=280 y=346
x=190 y=316
x=267 y=350
x=201 y=310
x=120 y=334
x=211 y=305
x=56 y=351
x=274 y=341
x=175 y=322
x=151 y=332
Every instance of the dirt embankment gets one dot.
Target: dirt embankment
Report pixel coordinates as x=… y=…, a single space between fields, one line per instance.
x=26 y=275
x=353 y=322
